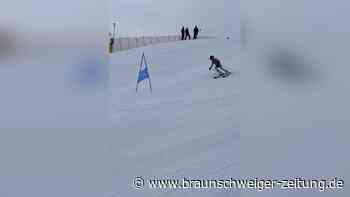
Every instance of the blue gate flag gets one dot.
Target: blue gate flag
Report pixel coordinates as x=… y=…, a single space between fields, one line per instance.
x=143 y=73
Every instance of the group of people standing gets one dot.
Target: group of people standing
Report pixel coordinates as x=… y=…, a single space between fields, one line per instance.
x=185 y=33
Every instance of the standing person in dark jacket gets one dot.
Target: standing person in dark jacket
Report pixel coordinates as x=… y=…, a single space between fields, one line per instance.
x=183 y=33
x=187 y=31
x=195 y=32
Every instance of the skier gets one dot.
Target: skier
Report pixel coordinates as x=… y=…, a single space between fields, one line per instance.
x=218 y=67
x=187 y=31
x=182 y=33
x=195 y=32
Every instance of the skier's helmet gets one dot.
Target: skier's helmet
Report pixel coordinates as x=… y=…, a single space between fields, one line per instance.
x=211 y=57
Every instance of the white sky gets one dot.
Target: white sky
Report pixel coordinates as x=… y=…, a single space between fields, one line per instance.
x=158 y=17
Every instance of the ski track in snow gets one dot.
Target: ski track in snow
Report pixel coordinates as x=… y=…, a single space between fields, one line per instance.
x=224 y=101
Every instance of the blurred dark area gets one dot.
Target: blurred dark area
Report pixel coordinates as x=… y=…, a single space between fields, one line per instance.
x=8 y=43
x=290 y=66
x=88 y=74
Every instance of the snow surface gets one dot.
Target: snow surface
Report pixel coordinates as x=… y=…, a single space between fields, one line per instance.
x=187 y=127
x=265 y=121
x=283 y=114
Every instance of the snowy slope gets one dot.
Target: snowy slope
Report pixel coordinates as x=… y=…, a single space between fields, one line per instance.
x=258 y=123
x=188 y=127
x=282 y=115
x=56 y=141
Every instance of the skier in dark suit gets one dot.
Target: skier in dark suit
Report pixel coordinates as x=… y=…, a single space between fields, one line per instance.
x=218 y=66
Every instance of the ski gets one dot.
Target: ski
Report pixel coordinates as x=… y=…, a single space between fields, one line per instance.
x=222 y=75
